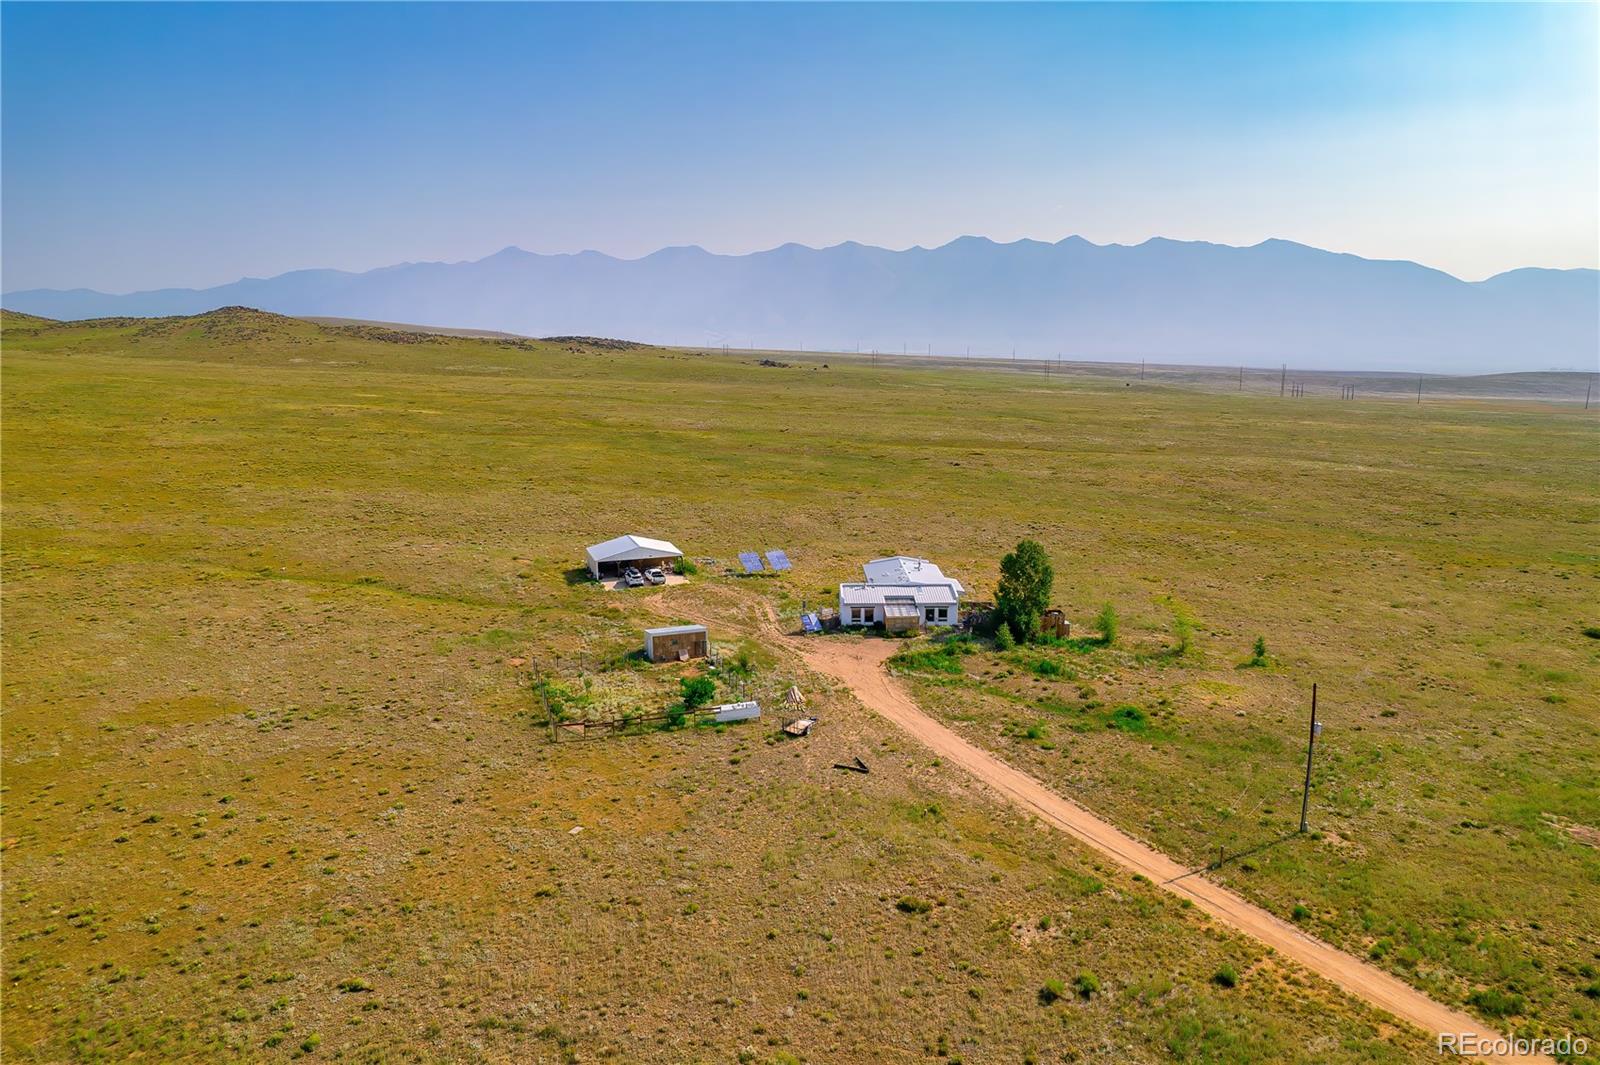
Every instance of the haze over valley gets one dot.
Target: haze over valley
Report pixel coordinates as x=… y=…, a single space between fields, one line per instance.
x=1178 y=301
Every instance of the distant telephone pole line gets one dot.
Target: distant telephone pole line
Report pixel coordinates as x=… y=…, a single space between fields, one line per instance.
x=1283 y=379
x=1587 y=392
x=1419 y=391
x=1241 y=378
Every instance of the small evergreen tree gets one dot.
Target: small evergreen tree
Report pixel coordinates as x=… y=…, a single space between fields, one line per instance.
x=1026 y=577
x=1107 y=624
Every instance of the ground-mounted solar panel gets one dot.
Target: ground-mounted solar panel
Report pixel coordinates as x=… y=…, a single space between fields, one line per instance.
x=750 y=561
x=777 y=559
x=810 y=622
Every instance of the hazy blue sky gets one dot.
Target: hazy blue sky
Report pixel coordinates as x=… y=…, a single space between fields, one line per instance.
x=190 y=144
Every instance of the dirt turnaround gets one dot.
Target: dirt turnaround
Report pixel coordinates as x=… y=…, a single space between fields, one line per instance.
x=860 y=665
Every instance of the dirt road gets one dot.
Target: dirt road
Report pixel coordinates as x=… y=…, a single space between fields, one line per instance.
x=860 y=664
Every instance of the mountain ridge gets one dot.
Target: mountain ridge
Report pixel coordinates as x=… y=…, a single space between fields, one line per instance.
x=1276 y=300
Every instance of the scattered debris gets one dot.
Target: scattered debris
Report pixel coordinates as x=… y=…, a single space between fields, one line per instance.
x=1585 y=834
x=574 y=830
x=800 y=726
x=1055 y=623
x=858 y=767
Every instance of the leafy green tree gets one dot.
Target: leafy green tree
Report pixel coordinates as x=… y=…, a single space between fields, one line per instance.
x=1026 y=577
x=697 y=691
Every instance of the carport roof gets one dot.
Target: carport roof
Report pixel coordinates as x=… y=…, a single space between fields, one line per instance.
x=626 y=548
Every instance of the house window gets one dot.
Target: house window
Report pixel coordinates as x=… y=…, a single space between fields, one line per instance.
x=944 y=613
x=855 y=615
x=928 y=614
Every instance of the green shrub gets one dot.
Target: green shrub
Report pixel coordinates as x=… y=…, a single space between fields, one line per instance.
x=1107 y=624
x=1492 y=1002
x=1258 y=654
x=1300 y=912
x=1087 y=985
x=1129 y=718
x=697 y=691
x=912 y=904
x=1225 y=977
x=1048 y=667
x=685 y=567
x=1002 y=638
x=1592 y=631
x=1051 y=991
x=940 y=658
x=1182 y=633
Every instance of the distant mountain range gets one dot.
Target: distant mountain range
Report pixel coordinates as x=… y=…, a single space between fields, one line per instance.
x=1165 y=300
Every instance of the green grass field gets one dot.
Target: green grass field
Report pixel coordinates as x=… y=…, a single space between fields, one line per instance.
x=275 y=786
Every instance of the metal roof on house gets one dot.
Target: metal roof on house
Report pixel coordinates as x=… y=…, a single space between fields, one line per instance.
x=623 y=548
x=879 y=594
x=905 y=569
x=674 y=630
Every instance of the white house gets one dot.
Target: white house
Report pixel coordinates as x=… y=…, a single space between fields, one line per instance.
x=900 y=593
x=616 y=555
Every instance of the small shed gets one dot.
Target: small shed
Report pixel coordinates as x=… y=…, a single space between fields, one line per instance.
x=676 y=643
x=610 y=558
x=1055 y=623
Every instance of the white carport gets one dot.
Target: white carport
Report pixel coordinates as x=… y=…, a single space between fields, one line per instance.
x=614 y=556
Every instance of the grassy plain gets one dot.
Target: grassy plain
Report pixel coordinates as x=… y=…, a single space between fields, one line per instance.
x=273 y=785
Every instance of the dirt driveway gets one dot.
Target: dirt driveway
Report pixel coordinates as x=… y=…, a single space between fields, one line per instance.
x=859 y=663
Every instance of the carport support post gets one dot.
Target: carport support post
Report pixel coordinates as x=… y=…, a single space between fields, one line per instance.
x=1311 y=743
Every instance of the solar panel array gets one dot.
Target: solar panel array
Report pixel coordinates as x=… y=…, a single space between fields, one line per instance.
x=750 y=561
x=777 y=559
x=810 y=622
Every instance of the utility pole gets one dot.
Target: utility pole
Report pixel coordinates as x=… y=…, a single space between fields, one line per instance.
x=1311 y=743
x=1241 y=378
x=1141 y=369
x=1419 y=391
x=1587 y=392
x=1283 y=379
